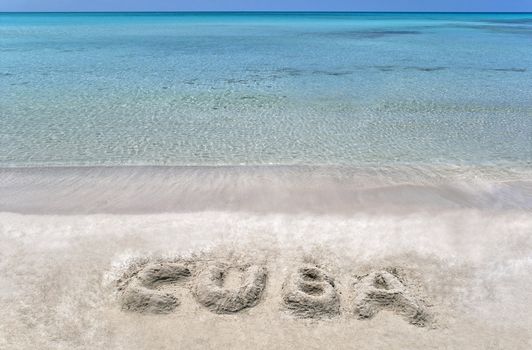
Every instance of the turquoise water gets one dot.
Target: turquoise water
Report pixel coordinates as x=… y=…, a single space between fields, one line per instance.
x=226 y=89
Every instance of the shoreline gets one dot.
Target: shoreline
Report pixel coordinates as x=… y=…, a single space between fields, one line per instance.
x=320 y=190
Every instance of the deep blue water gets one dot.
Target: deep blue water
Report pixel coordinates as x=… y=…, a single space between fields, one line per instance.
x=279 y=88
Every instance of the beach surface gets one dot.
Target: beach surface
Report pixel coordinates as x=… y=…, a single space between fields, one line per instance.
x=70 y=258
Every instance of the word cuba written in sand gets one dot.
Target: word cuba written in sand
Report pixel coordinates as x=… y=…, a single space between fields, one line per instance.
x=308 y=292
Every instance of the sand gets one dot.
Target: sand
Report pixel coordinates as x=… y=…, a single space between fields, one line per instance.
x=228 y=259
x=311 y=293
x=241 y=280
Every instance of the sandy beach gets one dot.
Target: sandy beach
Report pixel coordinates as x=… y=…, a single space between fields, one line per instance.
x=458 y=275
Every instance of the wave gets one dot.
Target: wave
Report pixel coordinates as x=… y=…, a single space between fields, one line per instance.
x=267 y=189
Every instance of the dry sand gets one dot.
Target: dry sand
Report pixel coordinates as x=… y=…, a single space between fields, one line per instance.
x=235 y=280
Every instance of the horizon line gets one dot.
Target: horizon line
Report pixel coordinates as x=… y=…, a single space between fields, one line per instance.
x=275 y=11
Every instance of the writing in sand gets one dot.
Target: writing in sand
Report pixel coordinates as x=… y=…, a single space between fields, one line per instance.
x=228 y=287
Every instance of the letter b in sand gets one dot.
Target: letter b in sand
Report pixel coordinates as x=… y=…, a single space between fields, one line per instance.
x=311 y=293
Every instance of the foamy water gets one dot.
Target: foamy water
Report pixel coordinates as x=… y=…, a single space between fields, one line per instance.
x=266 y=189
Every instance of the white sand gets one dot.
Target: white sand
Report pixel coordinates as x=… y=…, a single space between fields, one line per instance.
x=58 y=278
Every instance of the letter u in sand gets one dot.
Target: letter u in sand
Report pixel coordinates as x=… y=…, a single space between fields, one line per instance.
x=214 y=292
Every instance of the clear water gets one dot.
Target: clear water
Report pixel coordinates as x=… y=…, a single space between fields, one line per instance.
x=254 y=89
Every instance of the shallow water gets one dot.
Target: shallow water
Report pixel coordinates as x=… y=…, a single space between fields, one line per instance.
x=213 y=89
